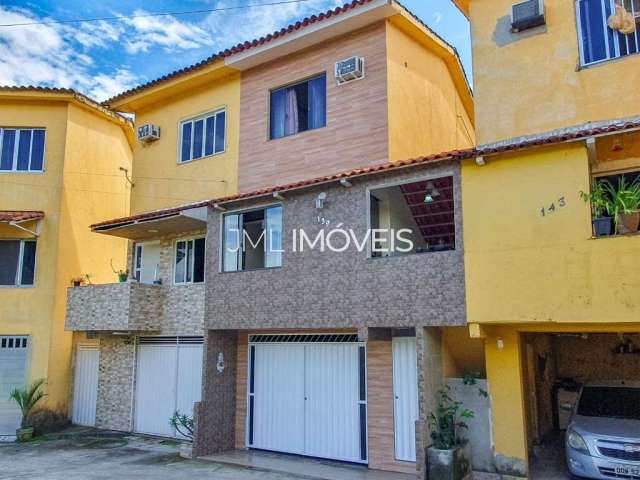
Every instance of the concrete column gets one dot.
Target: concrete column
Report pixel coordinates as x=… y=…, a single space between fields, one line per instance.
x=215 y=414
x=430 y=380
x=504 y=377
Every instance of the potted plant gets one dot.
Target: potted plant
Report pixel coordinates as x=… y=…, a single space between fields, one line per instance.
x=183 y=425
x=79 y=281
x=26 y=398
x=626 y=204
x=602 y=206
x=448 y=457
x=123 y=274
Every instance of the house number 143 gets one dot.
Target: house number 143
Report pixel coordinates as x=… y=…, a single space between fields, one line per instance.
x=544 y=211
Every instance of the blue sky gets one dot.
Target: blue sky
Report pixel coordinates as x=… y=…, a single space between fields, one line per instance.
x=104 y=58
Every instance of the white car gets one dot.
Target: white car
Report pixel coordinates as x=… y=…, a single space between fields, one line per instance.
x=603 y=438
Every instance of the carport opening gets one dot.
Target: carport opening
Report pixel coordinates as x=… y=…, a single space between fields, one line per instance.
x=555 y=368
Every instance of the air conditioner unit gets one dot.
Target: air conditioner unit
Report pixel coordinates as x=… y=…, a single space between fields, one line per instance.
x=349 y=69
x=148 y=133
x=526 y=15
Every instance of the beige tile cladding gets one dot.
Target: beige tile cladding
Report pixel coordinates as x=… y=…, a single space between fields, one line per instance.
x=164 y=310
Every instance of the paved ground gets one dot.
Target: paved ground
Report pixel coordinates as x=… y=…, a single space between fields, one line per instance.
x=116 y=457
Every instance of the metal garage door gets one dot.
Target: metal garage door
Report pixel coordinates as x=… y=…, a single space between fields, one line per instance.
x=405 y=394
x=307 y=395
x=168 y=378
x=85 y=386
x=13 y=374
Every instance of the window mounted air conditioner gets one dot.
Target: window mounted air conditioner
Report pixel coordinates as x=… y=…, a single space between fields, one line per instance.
x=526 y=15
x=148 y=133
x=349 y=70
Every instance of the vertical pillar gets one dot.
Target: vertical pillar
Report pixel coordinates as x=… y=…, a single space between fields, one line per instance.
x=214 y=416
x=504 y=376
x=430 y=380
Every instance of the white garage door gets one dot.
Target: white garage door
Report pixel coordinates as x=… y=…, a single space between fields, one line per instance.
x=168 y=379
x=405 y=394
x=13 y=374
x=307 y=395
x=85 y=386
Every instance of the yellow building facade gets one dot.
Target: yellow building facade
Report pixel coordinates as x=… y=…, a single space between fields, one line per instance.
x=74 y=175
x=557 y=306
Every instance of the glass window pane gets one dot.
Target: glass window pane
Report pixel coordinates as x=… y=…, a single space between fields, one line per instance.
x=8 y=144
x=297 y=108
x=274 y=237
x=231 y=244
x=209 y=136
x=220 y=129
x=181 y=260
x=317 y=102
x=278 y=101
x=28 y=263
x=186 y=142
x=9 y=252
x=189 y=261
x=198 y=130
x=593 y=30
x=198 y=261
x=24 y=147
x=37 y=150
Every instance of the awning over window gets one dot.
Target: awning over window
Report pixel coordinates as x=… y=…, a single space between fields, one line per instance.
x=23 y=220
x=147 y=226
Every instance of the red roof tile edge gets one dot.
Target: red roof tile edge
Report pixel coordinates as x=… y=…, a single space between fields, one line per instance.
x=20 y=216
x=492 y=149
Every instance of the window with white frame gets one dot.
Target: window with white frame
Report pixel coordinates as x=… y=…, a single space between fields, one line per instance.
x=17 y=262
x=137 y=262
x=189 y=261
x=202 y=136
x=21 y=149
x=598 y=42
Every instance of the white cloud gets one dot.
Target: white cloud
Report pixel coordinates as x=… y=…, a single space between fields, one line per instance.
x=437 y=17
x=166 y=32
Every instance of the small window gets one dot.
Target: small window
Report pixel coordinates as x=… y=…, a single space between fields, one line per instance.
x=202 y=136
x=21 y=149
x=615 y=201
x=411 y=218
x=189 y=261
x=17 y=262
x=299 y=107
x=252 y=240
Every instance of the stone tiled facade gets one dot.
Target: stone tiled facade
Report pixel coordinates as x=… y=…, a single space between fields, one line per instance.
x=316 y=289
x=159 y=310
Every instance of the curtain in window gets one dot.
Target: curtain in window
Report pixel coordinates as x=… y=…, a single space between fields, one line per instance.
x=9 y=252
x=278 y=100
x=317 y=102
x=291 y=124
x=273 y=235
x=231 y=244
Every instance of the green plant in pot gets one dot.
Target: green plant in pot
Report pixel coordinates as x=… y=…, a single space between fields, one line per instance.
x=448 y=457
x=27 y=398
x=603 y=208
x=626 y=204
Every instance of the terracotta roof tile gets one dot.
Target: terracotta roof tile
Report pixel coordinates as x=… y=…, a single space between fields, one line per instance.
x=243 y=46
x=511 y=145
x=20 y=216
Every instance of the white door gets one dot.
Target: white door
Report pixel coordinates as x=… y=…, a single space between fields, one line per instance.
x=168 y=379
x=405 y=393
x=308 y=399
x=13 y=374
x=85 y=386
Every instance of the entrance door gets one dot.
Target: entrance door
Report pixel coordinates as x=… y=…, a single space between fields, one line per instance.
x=308 y=398
x=168 y=379
x=405 y=392
x=85 y=386
x=13 y=374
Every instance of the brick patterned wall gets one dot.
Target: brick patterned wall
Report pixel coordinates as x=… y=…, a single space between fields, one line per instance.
x=356 y=133
x=324 y=290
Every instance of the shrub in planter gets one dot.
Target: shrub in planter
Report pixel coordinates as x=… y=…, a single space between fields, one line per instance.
x=449 y=457
x=27 y=398
x=46 y=420
x=183 y=425
x=602 y=207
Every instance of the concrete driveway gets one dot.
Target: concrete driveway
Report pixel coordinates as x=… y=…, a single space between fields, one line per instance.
x=120 y=457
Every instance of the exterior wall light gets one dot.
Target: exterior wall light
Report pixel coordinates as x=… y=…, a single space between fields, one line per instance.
x=220 y=365
x=320 y=200
x=500 y=343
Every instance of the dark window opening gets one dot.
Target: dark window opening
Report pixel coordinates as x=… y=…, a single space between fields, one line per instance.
x=298 y=108
x=189 y=261
x=17 y=262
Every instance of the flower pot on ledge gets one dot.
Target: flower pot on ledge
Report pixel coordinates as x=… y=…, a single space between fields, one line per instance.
x=628 y=222
x=603 y=227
